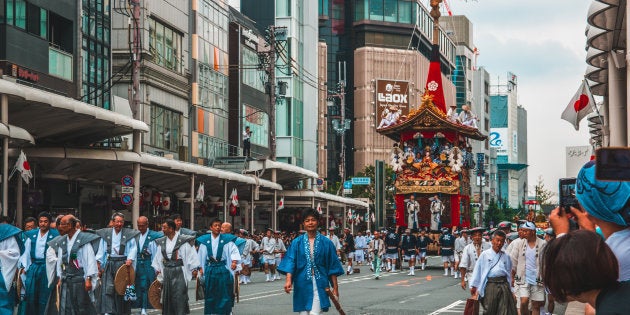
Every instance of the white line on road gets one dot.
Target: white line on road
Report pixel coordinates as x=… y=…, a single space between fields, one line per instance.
x=413 y=298
x=450 y=308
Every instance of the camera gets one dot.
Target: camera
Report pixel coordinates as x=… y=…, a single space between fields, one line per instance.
x=612 y=164
x=567 y=193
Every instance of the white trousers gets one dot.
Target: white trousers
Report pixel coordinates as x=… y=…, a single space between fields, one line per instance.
x=316 y=309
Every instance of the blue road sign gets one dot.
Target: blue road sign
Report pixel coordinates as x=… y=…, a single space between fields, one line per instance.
x=361 y=180
x=347 y=185
x=127 y=180
x=126 y=199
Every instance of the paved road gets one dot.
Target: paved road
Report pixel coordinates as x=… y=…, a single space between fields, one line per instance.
x=428 y=292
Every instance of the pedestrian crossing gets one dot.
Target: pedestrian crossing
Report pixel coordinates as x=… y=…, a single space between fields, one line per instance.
x=456 y=307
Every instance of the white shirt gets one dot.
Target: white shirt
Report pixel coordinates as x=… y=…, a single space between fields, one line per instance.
x=618 y=243
x=40 y=250
x=269 y=245
x=469 y=257
x=9 y=256
x=230 y=253
x=143 y=237
x=116 y=243
x=186 y=253
x=484 y=269
x=85 y=259
x=530 y=265
x=246 y=135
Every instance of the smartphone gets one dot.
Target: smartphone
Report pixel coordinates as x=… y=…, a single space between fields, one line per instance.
x=567 y=193
x=612 y=164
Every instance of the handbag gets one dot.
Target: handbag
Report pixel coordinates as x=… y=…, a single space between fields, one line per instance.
x=472 y=307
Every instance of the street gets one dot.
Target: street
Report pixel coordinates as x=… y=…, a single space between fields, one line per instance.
x=429 y=292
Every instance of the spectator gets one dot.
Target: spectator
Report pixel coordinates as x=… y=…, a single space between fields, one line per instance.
x=588 y=278
x=526 y=269
x=603 y=204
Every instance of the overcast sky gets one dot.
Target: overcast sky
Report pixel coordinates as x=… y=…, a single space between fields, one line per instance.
x=542 y=42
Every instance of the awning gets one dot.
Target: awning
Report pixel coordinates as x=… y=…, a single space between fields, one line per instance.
x=318 y=195
x=512 y=166
x=58 y=120
x=109 y=166
x=286 y=174
x=18 y=136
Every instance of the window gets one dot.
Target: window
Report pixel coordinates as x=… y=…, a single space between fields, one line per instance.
x=323 y=7
x=210 y=147
x=59 y=64
x=165 y=128
x=258 y=123
x=283 y=8
x=376 y=10
x=404 y=12
x=390 y=12
x=252 y=77
x=165 y=46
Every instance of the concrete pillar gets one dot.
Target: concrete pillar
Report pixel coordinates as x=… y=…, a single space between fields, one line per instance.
x=192 y=202
x=18 y=201
x=225 y=199
x=252 y=207
x=617 y=109
x=135 y=210
x=274 y=212
x=4 y=117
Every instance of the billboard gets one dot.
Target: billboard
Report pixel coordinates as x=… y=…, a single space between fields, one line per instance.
x=392 y=102
x=499 y=139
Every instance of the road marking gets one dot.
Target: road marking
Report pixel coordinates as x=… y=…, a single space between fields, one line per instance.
x=455 y=307
x=413 y=298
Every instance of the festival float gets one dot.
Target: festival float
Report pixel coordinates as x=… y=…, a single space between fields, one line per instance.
x=431 y=155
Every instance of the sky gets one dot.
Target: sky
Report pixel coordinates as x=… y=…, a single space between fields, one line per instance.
x=543 y=43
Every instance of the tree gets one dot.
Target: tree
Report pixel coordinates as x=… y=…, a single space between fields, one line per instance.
x=543 y=195
x=368 y=191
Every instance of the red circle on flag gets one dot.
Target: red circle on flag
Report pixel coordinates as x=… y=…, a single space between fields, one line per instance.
x=26 y=166
x=581 y=103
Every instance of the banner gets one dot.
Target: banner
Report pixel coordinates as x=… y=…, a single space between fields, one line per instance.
x=392 y=102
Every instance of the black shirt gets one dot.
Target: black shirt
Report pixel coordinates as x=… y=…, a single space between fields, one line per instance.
x=349 y=243
x=614 y=300
x=408 y=242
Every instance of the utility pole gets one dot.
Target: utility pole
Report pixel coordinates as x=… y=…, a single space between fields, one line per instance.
x=340 y=125
x=271 y=70
x=134 y=98
x=342 y=97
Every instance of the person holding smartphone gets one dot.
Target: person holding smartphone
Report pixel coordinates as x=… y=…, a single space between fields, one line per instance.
x=605 y=204
x=247 y=134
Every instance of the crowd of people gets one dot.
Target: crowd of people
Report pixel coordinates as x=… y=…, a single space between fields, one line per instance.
x=56 y=266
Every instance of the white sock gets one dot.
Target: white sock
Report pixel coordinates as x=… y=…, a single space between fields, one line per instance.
x=446 y=271
x=411 y=268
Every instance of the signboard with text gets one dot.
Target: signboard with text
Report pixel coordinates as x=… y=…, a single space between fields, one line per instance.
x=392 y=102
x=499 y=139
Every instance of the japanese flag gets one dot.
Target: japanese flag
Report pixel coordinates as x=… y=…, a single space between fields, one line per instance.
x=200 y=193
x=319 y=208
x=281 y=203
x=22 y=166
x=234 y=197
x=372 y=217
x=580 y=106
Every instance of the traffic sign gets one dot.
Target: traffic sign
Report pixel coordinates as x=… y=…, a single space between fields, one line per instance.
x=127 y=180
x=126 y=199
x=347 y=184
x=320 y=181
x=361 y=180
x=126 y=190
x=347 y=191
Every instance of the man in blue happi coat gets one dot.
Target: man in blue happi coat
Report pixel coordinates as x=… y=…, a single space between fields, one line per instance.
x=33 y=261
x=311 y=265
x=11 y=248
x=145 y=274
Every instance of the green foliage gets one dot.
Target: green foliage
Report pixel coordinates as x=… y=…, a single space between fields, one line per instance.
x=543 y=195
x=368 y=191
x=497 y=213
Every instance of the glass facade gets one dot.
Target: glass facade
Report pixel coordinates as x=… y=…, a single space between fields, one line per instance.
x=95 y=53
x=252 y=77
x=59 y=64
x=397 y=11
x=165 y=128
x=258 y=123
x=212 y=64
x=165 y=44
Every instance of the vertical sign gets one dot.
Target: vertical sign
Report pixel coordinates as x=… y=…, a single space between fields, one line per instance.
x=379 y=187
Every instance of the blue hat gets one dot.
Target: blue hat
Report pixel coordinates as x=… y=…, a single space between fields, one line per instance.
x=602 y=199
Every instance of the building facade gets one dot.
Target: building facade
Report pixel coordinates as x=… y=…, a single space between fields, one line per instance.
x=296 y=69
x=508 y=135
